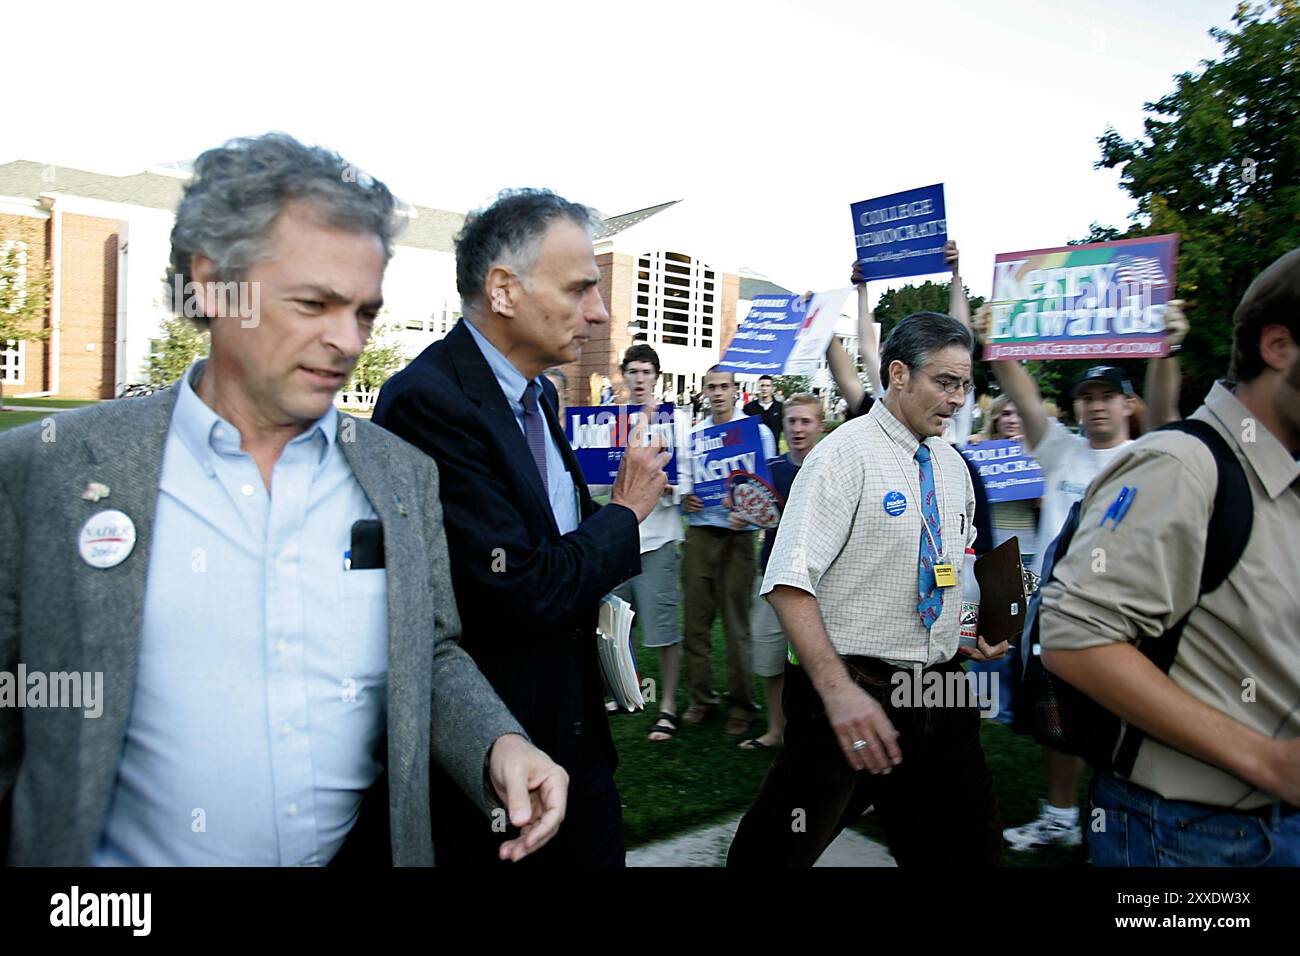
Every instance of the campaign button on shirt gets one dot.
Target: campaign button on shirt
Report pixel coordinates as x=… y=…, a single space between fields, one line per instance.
x=106 y=539
x=895 y=503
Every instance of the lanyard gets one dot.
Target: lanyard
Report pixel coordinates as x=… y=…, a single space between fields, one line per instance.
x=915 y=481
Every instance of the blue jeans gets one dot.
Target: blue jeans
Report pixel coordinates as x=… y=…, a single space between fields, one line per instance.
x=1136 y=827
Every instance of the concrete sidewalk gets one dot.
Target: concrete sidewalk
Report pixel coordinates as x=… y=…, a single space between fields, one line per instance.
x=708 y=847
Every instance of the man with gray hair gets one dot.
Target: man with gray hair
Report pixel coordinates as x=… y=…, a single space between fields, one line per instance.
x=862 y=578
x=273 y=685
x=531 y=554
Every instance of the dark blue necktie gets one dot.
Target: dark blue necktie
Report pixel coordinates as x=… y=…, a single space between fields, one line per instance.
x=535 y=432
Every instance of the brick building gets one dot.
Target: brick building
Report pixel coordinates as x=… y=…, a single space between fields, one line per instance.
x=107 y=240
x=683 y=306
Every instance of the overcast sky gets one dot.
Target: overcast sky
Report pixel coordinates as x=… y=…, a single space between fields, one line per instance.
x=767 y=117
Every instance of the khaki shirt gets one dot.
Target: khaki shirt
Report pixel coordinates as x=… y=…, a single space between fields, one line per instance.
x=1240 y=650
x=838 y=542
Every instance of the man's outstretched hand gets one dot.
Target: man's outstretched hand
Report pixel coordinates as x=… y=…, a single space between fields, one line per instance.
x=534 y=789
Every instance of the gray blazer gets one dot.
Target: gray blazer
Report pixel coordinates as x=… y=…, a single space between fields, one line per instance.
x=58 y=613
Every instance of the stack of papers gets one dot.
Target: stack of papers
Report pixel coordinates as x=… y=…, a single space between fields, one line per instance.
x=617 y=661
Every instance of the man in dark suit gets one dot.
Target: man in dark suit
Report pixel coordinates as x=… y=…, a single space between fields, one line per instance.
x=767 y=407
x=531 y=554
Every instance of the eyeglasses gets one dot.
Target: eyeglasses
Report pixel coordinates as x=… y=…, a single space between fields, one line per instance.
x=952 y=386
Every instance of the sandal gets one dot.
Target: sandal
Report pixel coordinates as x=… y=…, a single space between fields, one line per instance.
x=738 y=726
x=753 y=743
x=696 y=713
x=659 y=727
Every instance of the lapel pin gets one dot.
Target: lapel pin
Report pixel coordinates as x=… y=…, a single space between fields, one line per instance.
x=106 y=539
x=401 y=508
x=94 y=492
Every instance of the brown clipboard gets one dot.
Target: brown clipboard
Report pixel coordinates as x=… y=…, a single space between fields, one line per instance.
x=1002 y=593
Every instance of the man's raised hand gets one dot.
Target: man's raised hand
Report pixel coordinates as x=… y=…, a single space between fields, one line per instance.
x=1176 y=325
x=979 y=325
x=641 y=478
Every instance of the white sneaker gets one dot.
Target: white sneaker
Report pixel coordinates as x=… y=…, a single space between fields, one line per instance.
x=1045 y=831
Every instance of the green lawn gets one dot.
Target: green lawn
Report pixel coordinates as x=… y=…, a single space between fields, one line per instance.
x=48 y=402
x=14 y=419
x=701 y=776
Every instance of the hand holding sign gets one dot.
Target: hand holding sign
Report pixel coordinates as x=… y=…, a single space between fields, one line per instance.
x=754 y=500
x=979 y=325
x=641 y=479
x=1176 y=326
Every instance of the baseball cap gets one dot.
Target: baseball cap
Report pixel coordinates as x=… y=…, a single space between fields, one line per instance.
x=1104 y=373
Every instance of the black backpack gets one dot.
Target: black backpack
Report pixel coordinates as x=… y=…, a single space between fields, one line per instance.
x=1063 y=718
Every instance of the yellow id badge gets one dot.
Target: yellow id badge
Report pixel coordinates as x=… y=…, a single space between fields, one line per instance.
x=944 y=576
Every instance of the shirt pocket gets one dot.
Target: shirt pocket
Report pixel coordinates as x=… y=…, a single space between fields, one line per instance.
x=362 y=633
x=893 y=536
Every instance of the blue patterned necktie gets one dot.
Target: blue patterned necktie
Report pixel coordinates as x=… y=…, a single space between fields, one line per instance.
x=534 y=432
x=930 y=596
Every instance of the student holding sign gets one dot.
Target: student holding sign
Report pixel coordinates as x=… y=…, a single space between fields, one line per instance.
x=654 y=593
x=717 y=574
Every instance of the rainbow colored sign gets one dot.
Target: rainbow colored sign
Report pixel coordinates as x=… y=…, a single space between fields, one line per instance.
x=1101 y=300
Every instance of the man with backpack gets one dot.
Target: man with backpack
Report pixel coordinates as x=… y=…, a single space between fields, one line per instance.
x=1104 y=405
x=1175 y=607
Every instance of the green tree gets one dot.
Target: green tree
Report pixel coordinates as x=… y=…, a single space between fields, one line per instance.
x=1219 y=164
x=1097 y=233
x=24 y=293
x=380 y=360
x=182 y=344
x=791 y=384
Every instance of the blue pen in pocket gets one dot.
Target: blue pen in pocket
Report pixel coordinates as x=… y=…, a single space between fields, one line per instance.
x=1116 y=506
x=1123 y=509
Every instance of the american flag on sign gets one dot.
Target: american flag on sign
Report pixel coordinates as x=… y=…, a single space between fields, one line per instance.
x=1142 y=269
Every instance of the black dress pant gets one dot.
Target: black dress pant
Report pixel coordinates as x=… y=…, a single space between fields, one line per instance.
x=937 y=806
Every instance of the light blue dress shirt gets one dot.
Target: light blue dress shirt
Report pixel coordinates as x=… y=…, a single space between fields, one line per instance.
x=259 y=701
x=563 y=495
